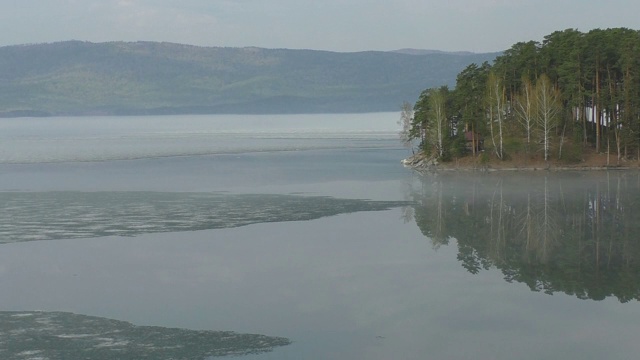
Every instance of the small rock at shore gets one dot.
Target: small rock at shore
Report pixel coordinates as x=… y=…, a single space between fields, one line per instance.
x=419 y=161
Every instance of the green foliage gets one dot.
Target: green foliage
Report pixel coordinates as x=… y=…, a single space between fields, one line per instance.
x=469 y=98
x=458 y=147
x=514 y=145
x=572 y=153
x=572 y=83
x=484 y=158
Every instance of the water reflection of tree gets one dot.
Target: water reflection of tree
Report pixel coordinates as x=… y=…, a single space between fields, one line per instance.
x=575 y=233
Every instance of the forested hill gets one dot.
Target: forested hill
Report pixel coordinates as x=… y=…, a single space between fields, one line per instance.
x=79 y=78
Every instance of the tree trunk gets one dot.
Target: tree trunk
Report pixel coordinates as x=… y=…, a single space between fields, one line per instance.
x=597 y=107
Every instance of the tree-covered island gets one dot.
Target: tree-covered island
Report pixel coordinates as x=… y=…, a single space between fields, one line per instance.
x=571 y=100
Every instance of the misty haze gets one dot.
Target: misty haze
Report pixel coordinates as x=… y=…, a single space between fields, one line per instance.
x=335 y=180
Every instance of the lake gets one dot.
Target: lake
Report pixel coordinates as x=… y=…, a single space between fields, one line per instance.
x=301 y=237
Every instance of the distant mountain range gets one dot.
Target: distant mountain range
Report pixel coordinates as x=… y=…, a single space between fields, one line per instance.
x=122 y=78
x=429 y=52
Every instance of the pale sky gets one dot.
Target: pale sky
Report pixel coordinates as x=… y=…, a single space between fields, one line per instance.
x=336 y=25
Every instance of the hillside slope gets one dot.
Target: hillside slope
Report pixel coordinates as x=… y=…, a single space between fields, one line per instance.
x=79 y=78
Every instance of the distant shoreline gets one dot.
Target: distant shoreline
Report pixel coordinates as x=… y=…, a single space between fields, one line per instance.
x=163 y=112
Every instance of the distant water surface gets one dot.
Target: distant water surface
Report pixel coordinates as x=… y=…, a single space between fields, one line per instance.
x=72 y=139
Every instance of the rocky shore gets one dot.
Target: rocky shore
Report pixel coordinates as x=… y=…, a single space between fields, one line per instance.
x=422 y=163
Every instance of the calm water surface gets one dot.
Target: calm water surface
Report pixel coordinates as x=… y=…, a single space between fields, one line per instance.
x=307 y=231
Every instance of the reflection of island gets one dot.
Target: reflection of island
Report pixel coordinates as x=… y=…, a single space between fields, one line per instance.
x=59 y=335
x=28 y=216
x=571 y=233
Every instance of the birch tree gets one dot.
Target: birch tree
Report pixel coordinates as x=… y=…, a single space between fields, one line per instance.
x=438 y=129
x=525 y=107
x=496 y=112
x=548 y=109
x=406 y=117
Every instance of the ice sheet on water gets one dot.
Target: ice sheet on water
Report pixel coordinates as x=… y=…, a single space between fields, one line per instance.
x=28 y=216
x=72 y=336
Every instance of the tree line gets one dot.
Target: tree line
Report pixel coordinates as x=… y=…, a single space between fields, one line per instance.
x=556 y=98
